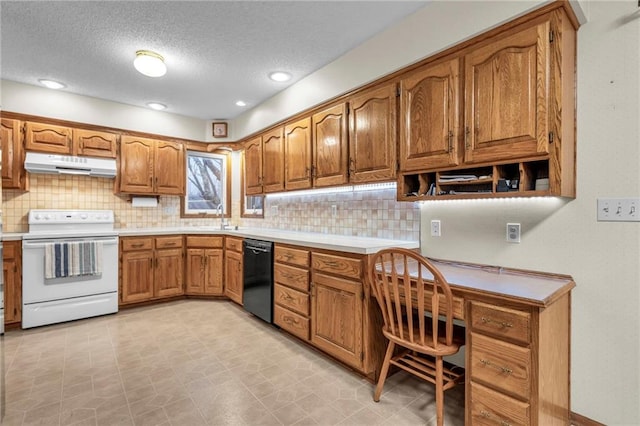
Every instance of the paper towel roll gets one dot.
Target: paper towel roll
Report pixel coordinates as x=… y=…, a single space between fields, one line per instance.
x=144 y=201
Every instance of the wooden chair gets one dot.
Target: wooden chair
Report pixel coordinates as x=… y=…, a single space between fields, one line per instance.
x=424 y=341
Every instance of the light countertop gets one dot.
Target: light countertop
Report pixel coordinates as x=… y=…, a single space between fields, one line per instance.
x=360 y=245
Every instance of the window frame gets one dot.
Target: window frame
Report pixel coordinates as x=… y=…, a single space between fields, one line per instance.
x=226 y=197
x=243 y=198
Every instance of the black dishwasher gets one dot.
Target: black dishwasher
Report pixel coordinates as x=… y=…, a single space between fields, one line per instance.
x=258 y=278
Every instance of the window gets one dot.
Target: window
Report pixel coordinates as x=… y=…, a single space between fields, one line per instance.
x=207 y=185
x=250 y=205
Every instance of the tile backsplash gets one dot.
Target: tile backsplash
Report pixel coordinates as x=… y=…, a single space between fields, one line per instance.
x=373 y=213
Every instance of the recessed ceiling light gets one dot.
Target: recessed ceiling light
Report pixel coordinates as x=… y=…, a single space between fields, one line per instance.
x=51 y=84
x=150 y=63
x=241 y=103
x=280 y=76
x=156 y=105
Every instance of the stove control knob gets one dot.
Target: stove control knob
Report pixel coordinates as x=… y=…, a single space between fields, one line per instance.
x=47 y=217
x=38 y=216
x=84 y=216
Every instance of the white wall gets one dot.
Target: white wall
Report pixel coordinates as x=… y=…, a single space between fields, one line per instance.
x=558 y=235
x=40 y=101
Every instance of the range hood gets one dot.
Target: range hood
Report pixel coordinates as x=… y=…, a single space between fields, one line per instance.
x=36 y=162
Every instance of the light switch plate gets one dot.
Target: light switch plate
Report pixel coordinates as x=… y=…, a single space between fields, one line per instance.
x=618 y=209
x=435 y=228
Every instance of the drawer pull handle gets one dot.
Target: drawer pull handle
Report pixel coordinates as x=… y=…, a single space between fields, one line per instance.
x=332 y=263
x=488 y=363
x=501 y=323
x=287 y=275
x=487 y=415
x=287 y=297
x=136 y=245
x=290 y=321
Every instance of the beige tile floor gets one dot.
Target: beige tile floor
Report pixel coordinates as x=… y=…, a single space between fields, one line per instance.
x=195 y=362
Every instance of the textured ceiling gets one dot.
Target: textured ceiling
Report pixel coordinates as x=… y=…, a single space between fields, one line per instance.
x=216 y=52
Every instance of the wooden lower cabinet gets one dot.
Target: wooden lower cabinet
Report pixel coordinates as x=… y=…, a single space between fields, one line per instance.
x=12 y=272
x=151 y=268
x=233 y=269
x=204 y=270
x=336 y=312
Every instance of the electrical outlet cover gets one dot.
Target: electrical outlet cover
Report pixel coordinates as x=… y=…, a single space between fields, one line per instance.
x=513 y=232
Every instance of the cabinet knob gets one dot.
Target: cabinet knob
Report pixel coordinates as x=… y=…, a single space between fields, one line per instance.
x=467 y=142
x=450 y=140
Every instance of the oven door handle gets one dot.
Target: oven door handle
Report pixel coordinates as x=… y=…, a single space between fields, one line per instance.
x=41 y=243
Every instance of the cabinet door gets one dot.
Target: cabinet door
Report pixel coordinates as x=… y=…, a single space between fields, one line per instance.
x=168 y=273
x=95 y=144
x=12 y=160
x=429 y=111
x=297 y=148
x=506 y=99
x=195 y=273
x=214 y=267
x=330 y=149
x=47 y=138
x=168 y=168
x=336 y=318
x=137 y=276
x=136 y=165
x=12 y=292
x=253 y=166
x=372 y=135
x=273 y=161
x=233 y=273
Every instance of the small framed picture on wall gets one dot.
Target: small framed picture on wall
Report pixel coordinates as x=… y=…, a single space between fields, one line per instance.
x=219 y=130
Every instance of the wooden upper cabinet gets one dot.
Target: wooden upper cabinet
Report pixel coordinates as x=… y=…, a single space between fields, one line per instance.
x=253 y=166
x=168 y=168
x=47 y=138
x=12 y=155
x=372 y=135
x=148 y=166
x=273 y=160
x=429 y=107
x=330 y=146
x=94 y=144
x=506 y=96
x=297 y=141
x=136 y=165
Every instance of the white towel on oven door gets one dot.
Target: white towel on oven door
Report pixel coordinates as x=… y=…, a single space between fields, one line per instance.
x=73 y=259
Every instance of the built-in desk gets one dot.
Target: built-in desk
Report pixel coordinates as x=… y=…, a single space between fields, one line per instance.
x=517 y=342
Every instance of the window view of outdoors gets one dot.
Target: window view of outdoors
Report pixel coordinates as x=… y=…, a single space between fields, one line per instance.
x=206 y=175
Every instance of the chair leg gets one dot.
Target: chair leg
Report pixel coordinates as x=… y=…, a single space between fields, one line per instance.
x=384 y=371
x=439 y=391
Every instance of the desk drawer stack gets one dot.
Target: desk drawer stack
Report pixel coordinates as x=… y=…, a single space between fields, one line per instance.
x=514 y=362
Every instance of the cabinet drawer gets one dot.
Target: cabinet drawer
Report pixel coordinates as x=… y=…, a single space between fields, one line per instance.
x=291 y=276
x=338 y=265
x=489 y=407
x=234 y=244
x=129 y=244
x=291 y=299
x=502 y=322
x=291 y=255
x=169 y=242
x=204 y=241
x=291 y=322
x=500 y=364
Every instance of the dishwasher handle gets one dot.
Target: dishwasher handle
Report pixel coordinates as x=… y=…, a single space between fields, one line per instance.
x=257 y=250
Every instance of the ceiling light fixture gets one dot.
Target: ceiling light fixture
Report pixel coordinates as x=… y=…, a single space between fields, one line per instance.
x=156 y=105
x=280 y=76
x=241 y=103
x=150 y=63
x=51 y=84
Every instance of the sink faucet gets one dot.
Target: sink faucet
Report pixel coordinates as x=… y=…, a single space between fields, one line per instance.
x=219 y=208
